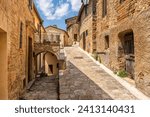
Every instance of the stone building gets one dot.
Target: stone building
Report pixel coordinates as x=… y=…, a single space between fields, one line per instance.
x=49 y=52
x=56 y=34
x=17 y=33
x=72 y=29
x=123 y=34
x=87 y=25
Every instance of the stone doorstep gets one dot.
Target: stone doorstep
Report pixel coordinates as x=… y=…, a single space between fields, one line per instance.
x=138 y=94
x=30 y=84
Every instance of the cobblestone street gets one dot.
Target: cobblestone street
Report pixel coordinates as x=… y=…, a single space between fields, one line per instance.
x=45 y=88
x=84 y=79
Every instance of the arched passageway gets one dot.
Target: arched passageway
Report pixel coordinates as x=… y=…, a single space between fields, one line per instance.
x=47 y=63
x=51 y=64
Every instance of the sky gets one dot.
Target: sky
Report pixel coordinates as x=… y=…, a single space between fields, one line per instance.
x=54 y=12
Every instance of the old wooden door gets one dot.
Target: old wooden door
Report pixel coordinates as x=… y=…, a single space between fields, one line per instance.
x=129 y=53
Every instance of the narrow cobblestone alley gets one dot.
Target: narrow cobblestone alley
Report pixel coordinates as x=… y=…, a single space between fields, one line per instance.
x=44 y=88
x=84 y=79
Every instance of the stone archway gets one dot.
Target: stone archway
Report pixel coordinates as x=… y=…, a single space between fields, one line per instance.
x=47 y=47
x=3 y=66
x=44 y=50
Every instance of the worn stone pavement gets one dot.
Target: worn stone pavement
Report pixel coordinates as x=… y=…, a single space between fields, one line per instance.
x=85 y=80
x=45 y=88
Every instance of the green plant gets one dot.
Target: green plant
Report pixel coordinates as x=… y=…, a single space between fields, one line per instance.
x=95 y=56
x=122 y=73
x=99 y=59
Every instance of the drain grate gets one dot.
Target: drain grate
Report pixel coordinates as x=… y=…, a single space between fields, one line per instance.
x=78 y=57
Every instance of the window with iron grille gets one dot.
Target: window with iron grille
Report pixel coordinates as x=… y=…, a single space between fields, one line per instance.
x=21 y=30
x=104 y=8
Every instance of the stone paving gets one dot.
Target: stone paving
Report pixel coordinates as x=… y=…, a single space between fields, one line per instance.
x=85 y=80
x=45 y=88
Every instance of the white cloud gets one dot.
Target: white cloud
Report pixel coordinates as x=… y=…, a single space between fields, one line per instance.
x=51 y=11
x=75 y=4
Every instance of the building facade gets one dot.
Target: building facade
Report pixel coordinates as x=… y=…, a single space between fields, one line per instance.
x=123 y=34
x=16 y=47
x=49 y=54
x=56 y=34
x=87 y=26
x=73 y=30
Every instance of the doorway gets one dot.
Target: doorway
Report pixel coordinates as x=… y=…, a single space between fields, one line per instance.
x=84 y=41
x=51 y=68
x=129 y=53
x=30 y=59
x=3 y=66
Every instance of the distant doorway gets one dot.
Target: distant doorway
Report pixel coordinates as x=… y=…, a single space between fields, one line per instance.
x=30 y=59
x=126 y=51
x=51 y=69
x=3 y=66
x=129 y=52
x=84 y=42
x=51 y=64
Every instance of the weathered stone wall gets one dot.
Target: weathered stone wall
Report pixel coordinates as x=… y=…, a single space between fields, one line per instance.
x=87 y=26
x=129 y=16
x=12 y=13
x=50 y=30
x=72 y=29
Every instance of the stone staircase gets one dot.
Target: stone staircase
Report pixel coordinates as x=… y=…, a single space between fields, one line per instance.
x=45 y=88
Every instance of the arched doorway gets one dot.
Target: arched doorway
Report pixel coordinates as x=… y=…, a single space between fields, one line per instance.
x=126 y=51
x=51 y=64
x=3 y=65
x=47 y=63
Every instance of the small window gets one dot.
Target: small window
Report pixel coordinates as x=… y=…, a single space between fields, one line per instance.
x=86 y=10
x=104 y=8
x=75 y=36
x=58 y=38
x=58 y=65
x=106 y=42
x=86 y=32
x=94 y=7
x=39 y=27
x=121 y=1
x=30 y=4
x=21 y=30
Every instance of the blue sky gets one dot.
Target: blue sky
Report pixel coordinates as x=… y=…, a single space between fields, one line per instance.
x=54 y=12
